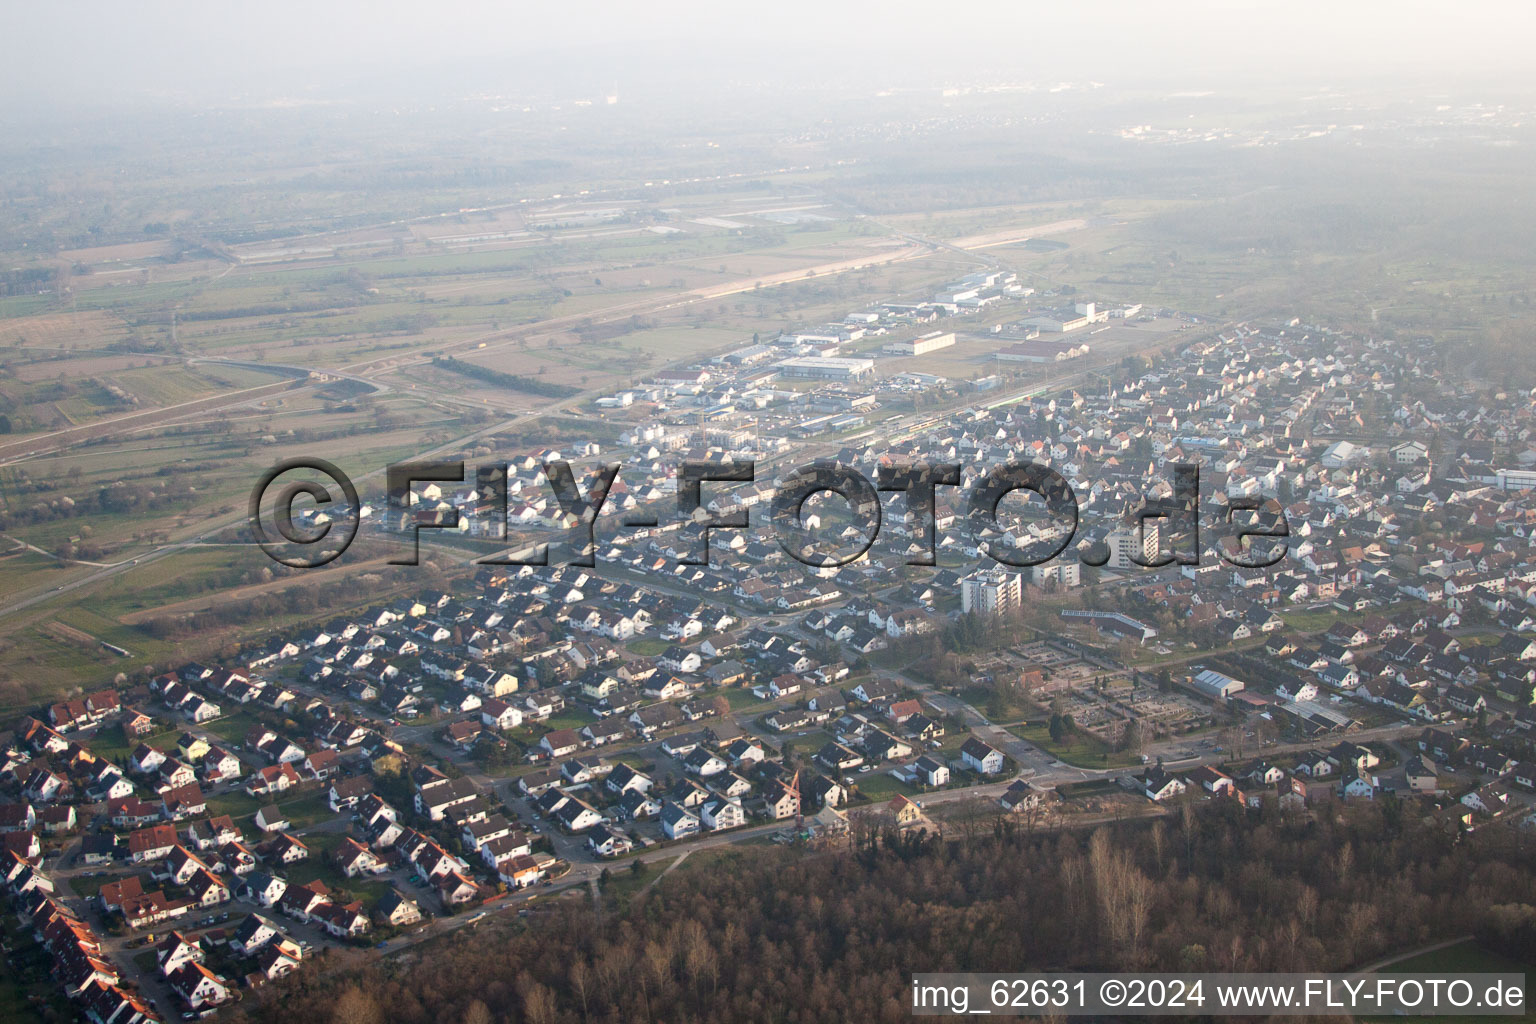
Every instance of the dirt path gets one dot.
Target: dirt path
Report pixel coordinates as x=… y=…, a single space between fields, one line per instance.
x=667 y=870
x=1398 y=958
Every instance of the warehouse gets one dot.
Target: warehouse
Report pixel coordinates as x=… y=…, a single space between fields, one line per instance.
x=930 y=342
x=1041 y=352
x=1216 y=685
x=826 y=367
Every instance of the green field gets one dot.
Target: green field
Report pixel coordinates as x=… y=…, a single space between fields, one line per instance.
x=1465 y=958
x=1081 y=749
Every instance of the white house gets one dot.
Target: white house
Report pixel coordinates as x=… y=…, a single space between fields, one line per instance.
x=981 y=757
x=722 y=814
x=678 y=823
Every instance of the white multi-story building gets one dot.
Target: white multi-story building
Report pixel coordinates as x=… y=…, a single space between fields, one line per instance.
x=1132 y=540
x=993 y=592
x=1063 y=573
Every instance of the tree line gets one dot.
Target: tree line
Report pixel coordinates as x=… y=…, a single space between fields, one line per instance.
x=793 y=935
x=517 y=382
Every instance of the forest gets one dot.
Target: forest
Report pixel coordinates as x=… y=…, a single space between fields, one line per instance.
x=796 y=935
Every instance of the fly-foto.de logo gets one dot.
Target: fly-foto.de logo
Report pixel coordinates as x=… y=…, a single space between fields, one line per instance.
x=1253 y=527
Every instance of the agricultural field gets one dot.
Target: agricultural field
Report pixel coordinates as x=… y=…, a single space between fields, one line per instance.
x=143 y=407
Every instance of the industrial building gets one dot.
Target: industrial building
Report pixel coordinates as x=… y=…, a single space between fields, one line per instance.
x=1041 y=352
x=1113 y=623
x=930 y=342
x=1061 y=321
x=826 y=367
x=1216 y=685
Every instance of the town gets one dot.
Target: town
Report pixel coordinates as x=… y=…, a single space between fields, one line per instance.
x=410 y=767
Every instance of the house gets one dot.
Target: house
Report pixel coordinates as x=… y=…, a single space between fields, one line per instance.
x=276 y=778
x=722 y=813
x=624 y=779
x=145 y=759
x=584 y=769
x=560 y=742
x=176 y=951
x=1421 y=776
x=264 y=889
x=906 y=811
x=782 y=803
x=839 y=758
x=981 y=757
x=874 y=690
x=499 y=715
x=302 y=901
x=283 y=849
x=607 y=842
x=882 y=746
x=152 y=843
x=538 y=782
x=106 y=1003
x=1358 y=784
x=608 y=730
x=825 y=792
x=346 y=793
x=677 y=822
x=519 y=871
x=1314 y=765
x=55 y=820
x=179 y=865
x=1491 y=798
x=1347 y=755
x=1022 y=796
x=253 y=932
x=477 y=832
x=98 y=849
x=237 y=858
x=320 y=764
x=200 y=987
x=744 y=751
x=180 y=802
x=278 y=959
x=463 y=734
x=576 y=815
x=109 y=785
x=114 y=895
x=1212 y=780
x=1159 y=784
x=207 y=889
x=355 y=859
x=220 y=764
x=191 y=747
x=19 y=817
x=931 y=771
x=343 y=922
x=396 y=910
x=703 y=764
x=455 y=888
x=436 y=798
x=270 y=819
x=635 y=805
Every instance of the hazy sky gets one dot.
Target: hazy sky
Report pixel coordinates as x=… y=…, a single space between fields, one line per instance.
x=212 y=53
